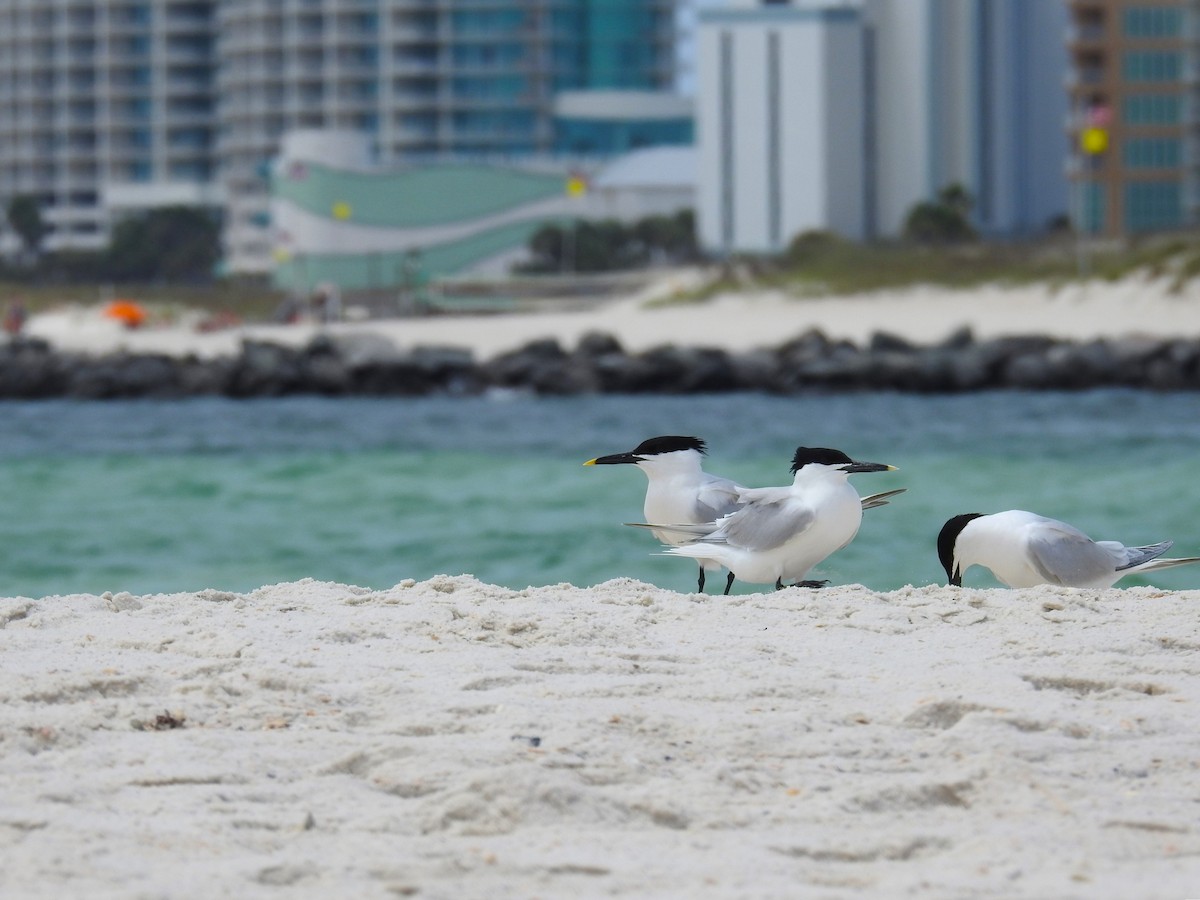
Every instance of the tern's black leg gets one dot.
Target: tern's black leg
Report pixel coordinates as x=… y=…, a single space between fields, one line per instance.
x=728 y=583
x=702 y=579
x=779 y=584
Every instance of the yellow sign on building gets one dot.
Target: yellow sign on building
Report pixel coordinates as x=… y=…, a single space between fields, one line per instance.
x=576 y=186
x=1093 y=140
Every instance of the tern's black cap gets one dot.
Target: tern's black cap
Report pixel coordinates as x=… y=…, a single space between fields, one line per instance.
x=669 y=443
x=655 y=446
x=947 y=538
x=824 y=456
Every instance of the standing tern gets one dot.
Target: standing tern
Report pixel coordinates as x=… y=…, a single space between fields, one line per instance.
x=679 y=491
x=782 y=532
x=1023 y=549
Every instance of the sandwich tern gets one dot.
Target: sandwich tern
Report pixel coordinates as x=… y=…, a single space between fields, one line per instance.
x=678 y=490
x=782 y=532
x=1023 y=549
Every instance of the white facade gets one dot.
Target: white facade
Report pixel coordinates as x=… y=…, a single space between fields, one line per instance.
x=780 y=126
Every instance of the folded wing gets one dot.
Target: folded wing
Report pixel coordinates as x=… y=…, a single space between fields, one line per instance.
x=765 y=524
x=1065 y=556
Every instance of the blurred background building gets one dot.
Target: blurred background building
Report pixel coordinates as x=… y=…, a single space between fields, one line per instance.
x=425 y=79
x=340 y=218
x=783 y=109
x=970 y=92
x=1134 y=88
x=835 y=115
x=824 y=116
x=105 y=105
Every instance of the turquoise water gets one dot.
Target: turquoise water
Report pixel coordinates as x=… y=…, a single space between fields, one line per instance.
x=148 y=496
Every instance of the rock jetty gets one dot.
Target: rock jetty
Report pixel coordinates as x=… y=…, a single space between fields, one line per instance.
x=366 y=364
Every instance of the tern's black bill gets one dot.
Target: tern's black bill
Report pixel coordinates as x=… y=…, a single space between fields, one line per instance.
x=867 y=467
x=614 y=459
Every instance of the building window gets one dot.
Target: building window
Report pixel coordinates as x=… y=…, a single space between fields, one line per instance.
x=189 y=171
x=1152 y=65
x=1153 y=109
x=1153 y=153
x=1153 y=22
x=1153 y=205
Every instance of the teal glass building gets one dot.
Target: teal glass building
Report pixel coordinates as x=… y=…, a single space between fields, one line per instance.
x=480 y=77
x=424 y=79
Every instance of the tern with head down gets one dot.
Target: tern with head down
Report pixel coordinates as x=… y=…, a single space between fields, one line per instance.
x=1023 y=549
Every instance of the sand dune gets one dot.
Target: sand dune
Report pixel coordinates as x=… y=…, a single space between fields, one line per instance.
x=453 y=739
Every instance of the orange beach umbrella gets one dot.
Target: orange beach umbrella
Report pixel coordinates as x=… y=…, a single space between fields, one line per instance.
x=128 y=312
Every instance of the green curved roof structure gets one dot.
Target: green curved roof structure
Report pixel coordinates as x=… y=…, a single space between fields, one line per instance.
x=416 y=198
x=457 y=214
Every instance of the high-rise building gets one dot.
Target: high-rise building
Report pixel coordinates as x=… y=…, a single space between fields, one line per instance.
x=969 y=92
x=426 y=78
x=133 y=102
x=781 y=114
x=904 y=98
x=103 y=105
x=1133 y=112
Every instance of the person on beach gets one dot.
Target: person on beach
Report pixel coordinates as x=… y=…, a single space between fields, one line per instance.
x=15 y=316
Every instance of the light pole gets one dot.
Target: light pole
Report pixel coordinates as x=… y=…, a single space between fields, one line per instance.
x=1093 y=143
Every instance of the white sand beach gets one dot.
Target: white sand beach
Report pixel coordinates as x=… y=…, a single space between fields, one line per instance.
x=738 y=321
x=452 y=739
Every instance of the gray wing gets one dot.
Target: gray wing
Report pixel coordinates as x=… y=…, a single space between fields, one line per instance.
x=765 y=524
x=696 y=531
x=873 y=500
x=717 y=497
x=763 y=494
x=1128 y=557
x=1066 y=556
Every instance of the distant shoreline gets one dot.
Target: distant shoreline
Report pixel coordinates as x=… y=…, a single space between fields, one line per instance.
x=1137 y=332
